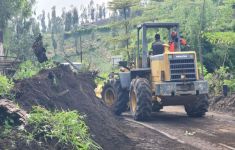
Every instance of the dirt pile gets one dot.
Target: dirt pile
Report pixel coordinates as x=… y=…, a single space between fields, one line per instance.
x=60 y=88
x=223 y=104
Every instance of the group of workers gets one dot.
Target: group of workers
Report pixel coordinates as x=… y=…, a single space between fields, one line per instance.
x=159 y=47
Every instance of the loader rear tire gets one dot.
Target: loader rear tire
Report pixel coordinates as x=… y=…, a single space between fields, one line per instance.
x=109 y=93
x=140 y=99
x=199 y=107
x=115 y=97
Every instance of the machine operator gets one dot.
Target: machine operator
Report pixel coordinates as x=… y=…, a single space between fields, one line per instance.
x=157 y=46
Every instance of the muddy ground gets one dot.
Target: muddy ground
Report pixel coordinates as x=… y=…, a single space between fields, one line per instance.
x=215 y=131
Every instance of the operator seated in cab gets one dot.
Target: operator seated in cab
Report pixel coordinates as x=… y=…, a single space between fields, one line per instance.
x=157 y=46
x=174 y=41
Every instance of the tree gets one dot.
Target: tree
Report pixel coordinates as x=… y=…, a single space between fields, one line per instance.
x=49 y=23
x=75 y=17
x=92 y=14
x=124 y=6
x=42 y=18
x=100 y=12
x=91 y=10
x=8 y=9
x=68 y=21
x=103 y=10
x=97 y=12
x=84 y=14
x=53 y=19
x=19 y=42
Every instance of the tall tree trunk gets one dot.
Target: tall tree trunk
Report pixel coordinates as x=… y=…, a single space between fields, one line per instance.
x=1 y=43
x=126 y=32
x=202 y=19
x=76 y=44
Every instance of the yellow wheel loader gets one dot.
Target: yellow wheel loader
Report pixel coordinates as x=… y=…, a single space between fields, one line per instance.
x=167 y=79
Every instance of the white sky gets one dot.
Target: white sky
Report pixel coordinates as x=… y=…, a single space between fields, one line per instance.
x=48 y=4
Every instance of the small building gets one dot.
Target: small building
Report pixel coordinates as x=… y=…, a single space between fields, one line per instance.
x=116 y=59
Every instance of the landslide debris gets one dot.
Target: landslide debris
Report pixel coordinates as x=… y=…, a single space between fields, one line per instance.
x=62 y=89
x=11 y=113
x=223 y=104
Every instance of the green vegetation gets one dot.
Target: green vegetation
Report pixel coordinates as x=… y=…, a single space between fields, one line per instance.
x=68 y=128
x=90 y=35
x=18 y=9
x=5 y=86
x=219 y=78
x=28 y=69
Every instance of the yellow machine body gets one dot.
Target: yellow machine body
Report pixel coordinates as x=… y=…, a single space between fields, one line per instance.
x=160 y=68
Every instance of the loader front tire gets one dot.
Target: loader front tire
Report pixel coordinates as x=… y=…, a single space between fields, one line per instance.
x=140 y=99
x=115 y=97
x=199 y=107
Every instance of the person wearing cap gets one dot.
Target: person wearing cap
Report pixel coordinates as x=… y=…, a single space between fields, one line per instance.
x=157 y=46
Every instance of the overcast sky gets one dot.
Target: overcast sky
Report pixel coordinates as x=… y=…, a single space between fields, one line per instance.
x=48 y=4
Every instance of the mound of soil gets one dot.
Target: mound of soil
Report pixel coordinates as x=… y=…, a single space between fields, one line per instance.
x=62 y=89
x=223 y=104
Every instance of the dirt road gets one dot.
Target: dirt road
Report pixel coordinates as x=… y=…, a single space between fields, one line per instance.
x=213 y=132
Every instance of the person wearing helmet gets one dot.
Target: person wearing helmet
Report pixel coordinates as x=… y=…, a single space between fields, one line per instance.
x=157 y=46
x=174 y=41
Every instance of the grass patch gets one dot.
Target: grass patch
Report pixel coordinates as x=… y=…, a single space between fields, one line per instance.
x=68 y=127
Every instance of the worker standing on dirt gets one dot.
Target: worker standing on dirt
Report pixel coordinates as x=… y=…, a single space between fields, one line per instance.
x=39 y=50
x=157 y=46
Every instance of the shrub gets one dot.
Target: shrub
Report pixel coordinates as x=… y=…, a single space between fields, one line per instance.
x=68 y=127
x=199 y=66
x=28 y=69
x=231 y=84
x=217 y=79
x=5 y=86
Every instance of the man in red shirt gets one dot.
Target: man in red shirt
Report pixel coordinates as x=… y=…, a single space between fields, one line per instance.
x=174 y=41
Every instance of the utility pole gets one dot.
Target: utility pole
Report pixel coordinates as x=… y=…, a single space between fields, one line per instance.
x=80 y=48
x=1 y=43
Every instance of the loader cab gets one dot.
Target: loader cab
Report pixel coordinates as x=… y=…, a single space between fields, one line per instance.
x=142 y=60
x=176 y=66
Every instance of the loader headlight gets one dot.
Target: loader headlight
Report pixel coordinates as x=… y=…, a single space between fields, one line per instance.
x=170 y=56
x=191 y=56
x=183 y=76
